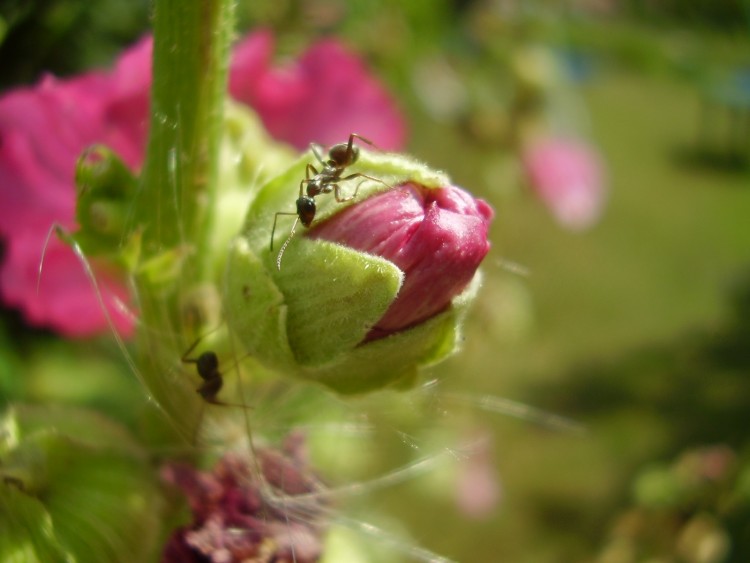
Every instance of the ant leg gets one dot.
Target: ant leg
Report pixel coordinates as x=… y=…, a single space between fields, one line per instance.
x=286 y=243
x=337 y=189
x=308 y=179
x=184 y=359
x=275 y=218
x=314 y=147
x=363 y=139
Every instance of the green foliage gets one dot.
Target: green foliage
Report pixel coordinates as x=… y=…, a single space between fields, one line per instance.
x=64 y=36
x=75 y=487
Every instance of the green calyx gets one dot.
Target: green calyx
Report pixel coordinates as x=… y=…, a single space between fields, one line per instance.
x=309 y=316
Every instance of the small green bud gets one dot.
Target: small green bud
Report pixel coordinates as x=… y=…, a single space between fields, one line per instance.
x=105 y=187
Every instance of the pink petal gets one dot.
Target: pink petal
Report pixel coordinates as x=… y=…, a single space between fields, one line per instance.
x=66 y=299
x=43 y=131
x=437 y=237
x=323 y=97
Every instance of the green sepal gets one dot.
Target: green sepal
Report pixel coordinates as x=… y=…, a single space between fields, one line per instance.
x=319 y=306
x=76 y=485
x=394 y=361
x=248 y=158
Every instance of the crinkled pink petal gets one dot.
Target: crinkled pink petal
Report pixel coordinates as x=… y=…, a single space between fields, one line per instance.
x=66 y=299
x=43 y=130
x=567 y=175
x=323 y=97
x=437 y=237
x=233 y=519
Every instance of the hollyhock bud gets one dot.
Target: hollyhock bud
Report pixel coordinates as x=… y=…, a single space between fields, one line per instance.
x=436 y=236
x=377 y=286
x=567 y=176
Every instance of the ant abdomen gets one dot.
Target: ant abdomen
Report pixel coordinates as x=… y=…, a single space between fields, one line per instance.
x=341 y=155
x=306 y=209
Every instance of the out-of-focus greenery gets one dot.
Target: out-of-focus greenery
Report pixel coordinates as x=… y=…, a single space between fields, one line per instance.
x=64 y=36
x=638 y=328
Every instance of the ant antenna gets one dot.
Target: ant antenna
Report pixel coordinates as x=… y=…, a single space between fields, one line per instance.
x=286 y=243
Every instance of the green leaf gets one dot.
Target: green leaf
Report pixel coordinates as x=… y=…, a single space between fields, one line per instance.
x=76 y=487
x=27 y=534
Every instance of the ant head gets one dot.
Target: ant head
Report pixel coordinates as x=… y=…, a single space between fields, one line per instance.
x=341 y=156
x=208 y=364
x=306 y=210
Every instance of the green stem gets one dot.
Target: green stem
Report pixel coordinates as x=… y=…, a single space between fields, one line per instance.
x=174 y=207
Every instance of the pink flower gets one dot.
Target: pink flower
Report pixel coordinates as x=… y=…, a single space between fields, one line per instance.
x=233 y=520
x=478 y=489
x=437 y=237
x=568 y=177
x=322 y=98
x=42 y=132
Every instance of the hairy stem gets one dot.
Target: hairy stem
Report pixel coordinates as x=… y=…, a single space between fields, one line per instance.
x=174 y=206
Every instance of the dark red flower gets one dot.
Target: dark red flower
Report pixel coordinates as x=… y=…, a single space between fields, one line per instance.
x=237 y=518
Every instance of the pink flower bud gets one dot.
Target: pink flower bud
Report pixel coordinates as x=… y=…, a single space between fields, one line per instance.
x=567 y=176
x=437 y=237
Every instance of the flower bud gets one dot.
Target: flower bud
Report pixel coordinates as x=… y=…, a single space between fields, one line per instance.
x=436 y=236
x=377 y=286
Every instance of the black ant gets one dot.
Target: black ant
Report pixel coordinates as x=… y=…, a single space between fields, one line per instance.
x=340 y=156
x=207 y=366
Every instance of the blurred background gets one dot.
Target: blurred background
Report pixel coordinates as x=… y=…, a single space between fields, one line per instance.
x=634 y=323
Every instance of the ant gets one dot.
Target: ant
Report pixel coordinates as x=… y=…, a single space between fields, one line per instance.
x=207 y=366
x=340 y=157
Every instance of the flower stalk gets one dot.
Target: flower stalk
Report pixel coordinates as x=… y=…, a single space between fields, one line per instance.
x=173 y=210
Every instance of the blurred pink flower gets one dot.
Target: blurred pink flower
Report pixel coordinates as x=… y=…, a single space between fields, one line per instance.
x=235 y=520
x=568 y=177
x=323 y=97
x=437 y=237
x=478 y=488
x=42 y=132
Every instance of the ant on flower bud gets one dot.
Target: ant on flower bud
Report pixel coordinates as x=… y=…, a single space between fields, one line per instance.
x=340 y=157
